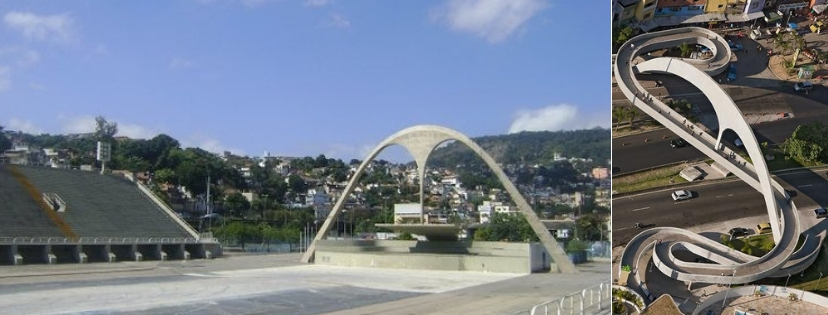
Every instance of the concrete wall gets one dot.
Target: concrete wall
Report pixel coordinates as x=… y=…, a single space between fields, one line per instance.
x=473 y=256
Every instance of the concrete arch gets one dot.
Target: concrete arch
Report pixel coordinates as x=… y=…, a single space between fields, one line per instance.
x=420 y=141
x=663 y=241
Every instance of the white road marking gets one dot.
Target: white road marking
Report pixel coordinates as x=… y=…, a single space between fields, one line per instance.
x=639 y=209
x=809 y=185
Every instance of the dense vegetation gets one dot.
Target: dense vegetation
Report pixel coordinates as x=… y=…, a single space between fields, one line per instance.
x=529 y=148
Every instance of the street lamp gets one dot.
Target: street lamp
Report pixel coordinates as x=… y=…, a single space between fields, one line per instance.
x=786 y=280
x=728 y=288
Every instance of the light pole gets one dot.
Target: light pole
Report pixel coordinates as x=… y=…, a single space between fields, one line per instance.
x=786 y=281
x=728 y=288
x=817 y=284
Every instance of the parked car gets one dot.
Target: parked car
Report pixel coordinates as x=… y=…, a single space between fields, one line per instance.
x=735 y=47
x=738 y=142
x=731 y=72
x=821 y=213
x=678 y=143
x=738 y=231
x=679 y=195
x=804 y=86
x=763 y=228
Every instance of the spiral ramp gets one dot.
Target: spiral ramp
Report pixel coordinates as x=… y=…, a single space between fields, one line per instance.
x=663 y=242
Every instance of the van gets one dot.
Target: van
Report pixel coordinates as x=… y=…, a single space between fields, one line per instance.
x=763 y=228
x=804 y=86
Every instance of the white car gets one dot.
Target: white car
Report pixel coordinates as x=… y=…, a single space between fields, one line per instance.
x=679 y=195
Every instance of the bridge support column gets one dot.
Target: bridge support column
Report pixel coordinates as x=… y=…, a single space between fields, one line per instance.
x=689 y=284
x=9 y=255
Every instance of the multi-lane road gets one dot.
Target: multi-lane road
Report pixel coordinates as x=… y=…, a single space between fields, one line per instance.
x=717 y=201
x=633 y=153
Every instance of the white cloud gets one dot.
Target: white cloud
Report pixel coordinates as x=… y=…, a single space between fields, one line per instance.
x=179 y=63
x=493 y=20
x=86 y=124
x=57 y=28
x=338 y=20
x=209 y=144
x=5 y=78
x=134 y=131
x=23 y=125
x=317 y=3
x=101 y=49
x=347 y=152
x=557 y=117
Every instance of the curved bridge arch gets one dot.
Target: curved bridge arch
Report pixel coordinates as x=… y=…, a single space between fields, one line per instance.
x=420 y=141
x=733 y=267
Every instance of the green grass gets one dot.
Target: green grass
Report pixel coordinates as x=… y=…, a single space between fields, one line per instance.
x=759 y=244
x=650 y=179
x=779 y=162
x=808 y=280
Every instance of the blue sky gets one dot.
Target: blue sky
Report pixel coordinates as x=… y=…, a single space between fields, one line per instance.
x=302 y=78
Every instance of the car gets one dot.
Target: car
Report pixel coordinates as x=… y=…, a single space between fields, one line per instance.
x=738 y=231
x=738 y=142
x=821 y=213
x=679 y=195
x=735 y=47
x=763 y=228
x=731 y=72
x=804 y=86
x=678 y=143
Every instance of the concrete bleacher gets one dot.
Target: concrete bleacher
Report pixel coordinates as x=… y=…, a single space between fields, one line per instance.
x=20 y=214
x=104 y=205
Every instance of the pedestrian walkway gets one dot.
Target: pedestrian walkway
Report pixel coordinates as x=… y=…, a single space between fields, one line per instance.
x=765 y=305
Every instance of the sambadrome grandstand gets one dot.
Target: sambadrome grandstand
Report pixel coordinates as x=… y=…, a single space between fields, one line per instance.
x=68 y=216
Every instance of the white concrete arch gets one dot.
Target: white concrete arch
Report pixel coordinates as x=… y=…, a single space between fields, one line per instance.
x=420 y=141
x=662 y=241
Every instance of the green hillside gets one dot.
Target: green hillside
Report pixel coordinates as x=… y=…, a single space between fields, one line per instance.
x=530 y=148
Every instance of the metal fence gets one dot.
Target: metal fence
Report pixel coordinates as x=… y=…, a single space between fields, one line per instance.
x=587 y=301
x=98 y=240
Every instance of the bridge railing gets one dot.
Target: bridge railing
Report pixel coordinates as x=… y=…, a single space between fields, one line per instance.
x=587 y=301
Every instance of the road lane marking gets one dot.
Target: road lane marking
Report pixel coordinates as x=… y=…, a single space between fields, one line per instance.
x=809 y=185
x=639 y=209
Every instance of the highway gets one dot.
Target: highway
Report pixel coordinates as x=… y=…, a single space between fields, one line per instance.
x=713 y=202
x=632 y=153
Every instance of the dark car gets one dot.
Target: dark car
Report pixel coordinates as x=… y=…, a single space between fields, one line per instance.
x=736 y=232
x=821 y=213
x=678 y=143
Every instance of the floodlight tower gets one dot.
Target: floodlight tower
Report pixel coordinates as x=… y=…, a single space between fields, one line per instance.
x=104 y=154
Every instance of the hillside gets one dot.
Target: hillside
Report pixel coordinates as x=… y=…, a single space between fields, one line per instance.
x=530 y=148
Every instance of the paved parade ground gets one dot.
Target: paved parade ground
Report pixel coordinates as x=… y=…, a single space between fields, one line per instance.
x=275 y=284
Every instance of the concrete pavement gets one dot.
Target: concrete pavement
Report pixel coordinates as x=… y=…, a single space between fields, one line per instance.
x=274 y=284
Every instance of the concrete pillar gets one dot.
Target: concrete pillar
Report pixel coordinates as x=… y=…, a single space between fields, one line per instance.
x=9 y=255
x=68 y=253
x=150 y=251
x=196 y=250
x=127 y=252
x=48 y=255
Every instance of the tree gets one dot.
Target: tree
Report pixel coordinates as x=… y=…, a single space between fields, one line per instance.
x=104 y=130
x=685 y=50
x=506 y=228
x=808 y=142
x=5 y=143
x=590 y=227
x=619 y=113
x=633 y=112
x=237 y=204
x=623 y=35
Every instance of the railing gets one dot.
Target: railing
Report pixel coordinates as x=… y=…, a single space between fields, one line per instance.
x=592 y=299
x=96 y=240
